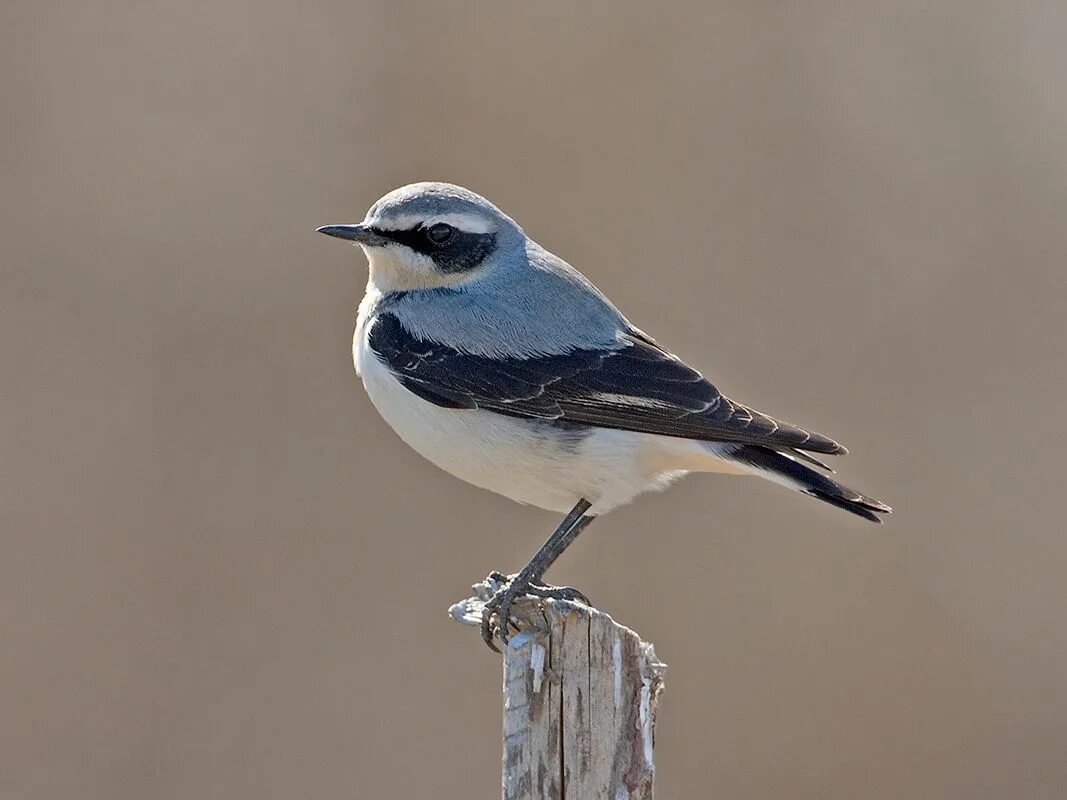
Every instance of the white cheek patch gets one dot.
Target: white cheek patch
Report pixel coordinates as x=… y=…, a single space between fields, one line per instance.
x=394 y=268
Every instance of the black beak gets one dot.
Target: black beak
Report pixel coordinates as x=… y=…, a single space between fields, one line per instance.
x=354 y=233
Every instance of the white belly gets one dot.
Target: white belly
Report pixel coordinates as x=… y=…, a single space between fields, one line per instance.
x=531 y=462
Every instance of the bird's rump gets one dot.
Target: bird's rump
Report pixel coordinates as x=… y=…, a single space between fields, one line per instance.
x=637 y=386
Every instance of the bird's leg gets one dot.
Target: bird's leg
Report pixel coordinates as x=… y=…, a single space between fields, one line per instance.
x=528 y=579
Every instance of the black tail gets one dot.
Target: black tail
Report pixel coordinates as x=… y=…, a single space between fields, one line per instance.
x=783 y=469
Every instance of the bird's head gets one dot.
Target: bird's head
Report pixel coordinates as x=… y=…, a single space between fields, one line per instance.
x=429 y=235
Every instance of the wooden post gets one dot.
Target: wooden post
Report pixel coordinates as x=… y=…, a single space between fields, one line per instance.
x=580 y=699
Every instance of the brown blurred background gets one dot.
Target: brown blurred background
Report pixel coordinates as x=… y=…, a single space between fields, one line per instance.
x=218 y=561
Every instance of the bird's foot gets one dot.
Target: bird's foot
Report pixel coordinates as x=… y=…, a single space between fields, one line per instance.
x=496 y=615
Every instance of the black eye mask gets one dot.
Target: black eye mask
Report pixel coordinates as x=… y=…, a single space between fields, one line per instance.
x=457 y=252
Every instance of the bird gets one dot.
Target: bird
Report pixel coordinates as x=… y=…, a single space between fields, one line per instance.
x=505 y=366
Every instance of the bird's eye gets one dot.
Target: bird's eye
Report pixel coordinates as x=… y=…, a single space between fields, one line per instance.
x=440 y=233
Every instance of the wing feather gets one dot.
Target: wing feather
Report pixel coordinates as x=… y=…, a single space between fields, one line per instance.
x=638 y=386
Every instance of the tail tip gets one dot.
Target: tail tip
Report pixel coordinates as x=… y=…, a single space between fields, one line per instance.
x=861 y=506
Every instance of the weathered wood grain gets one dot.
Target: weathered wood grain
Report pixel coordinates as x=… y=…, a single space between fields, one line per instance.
x=580 y=700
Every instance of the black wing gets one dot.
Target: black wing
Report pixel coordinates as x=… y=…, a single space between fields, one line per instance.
x=638 y=387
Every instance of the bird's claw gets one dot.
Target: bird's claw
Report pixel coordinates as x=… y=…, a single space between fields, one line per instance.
x=497 y=608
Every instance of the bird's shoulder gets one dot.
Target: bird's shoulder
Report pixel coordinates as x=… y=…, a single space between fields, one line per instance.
x=514 y=310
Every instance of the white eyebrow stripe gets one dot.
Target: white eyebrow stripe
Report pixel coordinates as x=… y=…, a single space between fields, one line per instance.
x=403 y=222
x=469 y=223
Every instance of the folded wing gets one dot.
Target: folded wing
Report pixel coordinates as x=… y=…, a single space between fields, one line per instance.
x=636 y=387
